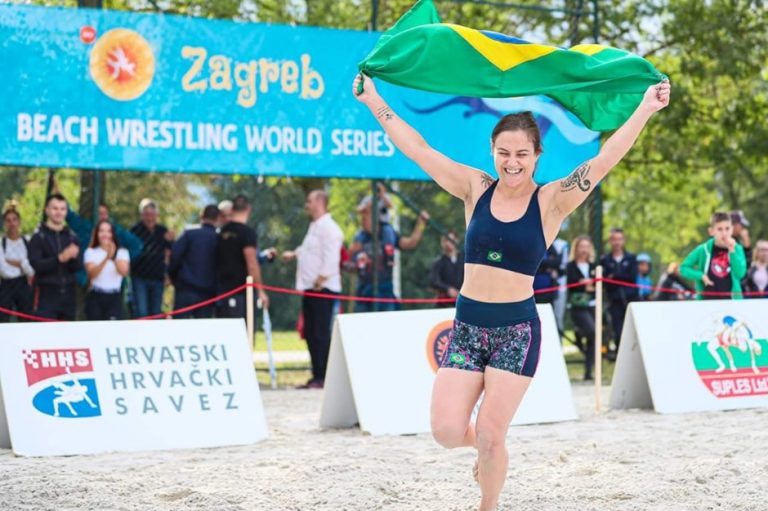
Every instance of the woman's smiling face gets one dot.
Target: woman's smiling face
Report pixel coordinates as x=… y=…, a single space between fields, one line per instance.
x=514 y=157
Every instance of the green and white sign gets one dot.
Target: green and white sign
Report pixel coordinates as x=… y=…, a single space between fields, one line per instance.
x=693 y=356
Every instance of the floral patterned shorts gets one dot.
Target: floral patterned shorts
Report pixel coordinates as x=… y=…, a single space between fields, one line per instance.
x=513 y=348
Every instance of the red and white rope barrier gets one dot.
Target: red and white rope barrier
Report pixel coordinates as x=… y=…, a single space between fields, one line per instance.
x=351 y=298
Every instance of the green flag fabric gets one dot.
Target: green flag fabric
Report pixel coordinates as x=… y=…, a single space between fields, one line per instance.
x=601 y=85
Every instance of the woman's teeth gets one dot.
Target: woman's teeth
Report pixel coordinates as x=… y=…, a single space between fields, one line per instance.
x=512 y=170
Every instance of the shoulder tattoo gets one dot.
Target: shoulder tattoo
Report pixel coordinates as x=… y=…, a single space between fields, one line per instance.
x=486 y=180
x=578 y=178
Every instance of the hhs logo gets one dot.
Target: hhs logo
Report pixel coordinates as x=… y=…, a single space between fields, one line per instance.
x=61 y=393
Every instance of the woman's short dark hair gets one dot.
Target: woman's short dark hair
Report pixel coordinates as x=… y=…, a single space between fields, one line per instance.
x=210 y=213
x=521 y=121
x=54 y=196
x=718 y=217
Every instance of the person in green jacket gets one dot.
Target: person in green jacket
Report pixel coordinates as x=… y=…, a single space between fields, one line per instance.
x=718 y=264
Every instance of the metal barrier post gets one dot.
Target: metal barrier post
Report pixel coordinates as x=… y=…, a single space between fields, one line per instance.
x=249 y=310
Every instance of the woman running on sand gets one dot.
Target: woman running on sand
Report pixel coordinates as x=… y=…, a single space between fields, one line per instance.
x=511 y=221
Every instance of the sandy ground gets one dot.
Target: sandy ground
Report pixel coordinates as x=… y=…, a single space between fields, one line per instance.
x=634 y=460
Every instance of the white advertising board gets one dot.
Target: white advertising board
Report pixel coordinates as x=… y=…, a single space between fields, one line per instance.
x=5 y=437
x=88 y=387
x=693 y=356
x=382 y=366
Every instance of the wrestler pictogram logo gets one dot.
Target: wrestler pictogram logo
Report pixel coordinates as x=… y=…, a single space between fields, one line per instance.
x=122 y=64
x=730 y=358
x=63 y=382
x=437 y=343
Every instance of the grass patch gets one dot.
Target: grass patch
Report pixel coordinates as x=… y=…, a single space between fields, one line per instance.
x=289 y=375
x=575 y=364
x=282 y=340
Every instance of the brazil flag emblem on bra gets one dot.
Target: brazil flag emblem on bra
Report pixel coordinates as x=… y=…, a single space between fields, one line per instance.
x=494 y=257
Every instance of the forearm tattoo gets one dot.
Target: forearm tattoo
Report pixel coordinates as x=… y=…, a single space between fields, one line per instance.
x=486 y=180
x=385 y=113
x=577 y=179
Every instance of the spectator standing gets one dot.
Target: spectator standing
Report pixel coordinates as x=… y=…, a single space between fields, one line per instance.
x=671 y=280
x=318 y=270
x=560 y=303
x=53 y=253
x=362 y=256
x=385 y=206
x=644 y=268
x=581 y=270
x=757 y=275
x=265 y=256
x=192 y=267
x=236 y=258
x=384 y=203
x=148 y=271
x=106 y=264
x=547 y=275
x=620 y=265
x=16 y=274
x=83 y=227
x=741 y=232
x=84 y=230
x=447 y=272
x=718 y=264
x=225 y=212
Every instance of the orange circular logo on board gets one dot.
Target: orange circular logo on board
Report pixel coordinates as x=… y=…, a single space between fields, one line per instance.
x=437 y=342
x=122 y=64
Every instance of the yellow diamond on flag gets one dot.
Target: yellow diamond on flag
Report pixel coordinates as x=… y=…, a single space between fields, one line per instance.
x=497 y=49
x=588 y=49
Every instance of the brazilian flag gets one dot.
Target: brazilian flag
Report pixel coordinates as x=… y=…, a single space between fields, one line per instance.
x=601 y=85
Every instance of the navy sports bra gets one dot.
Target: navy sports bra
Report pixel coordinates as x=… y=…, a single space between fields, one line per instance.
x=517 y=246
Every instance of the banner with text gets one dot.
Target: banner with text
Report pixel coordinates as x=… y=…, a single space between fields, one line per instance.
x=88 y=387
x=693 y=356
x=123 y=91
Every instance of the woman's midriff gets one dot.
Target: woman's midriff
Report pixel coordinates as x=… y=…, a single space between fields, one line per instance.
x=487 y=284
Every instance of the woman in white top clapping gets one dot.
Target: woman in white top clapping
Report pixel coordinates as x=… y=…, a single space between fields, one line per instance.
x=106 y=264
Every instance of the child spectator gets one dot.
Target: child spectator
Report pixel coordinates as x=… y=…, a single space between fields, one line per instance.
x=718 y=264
